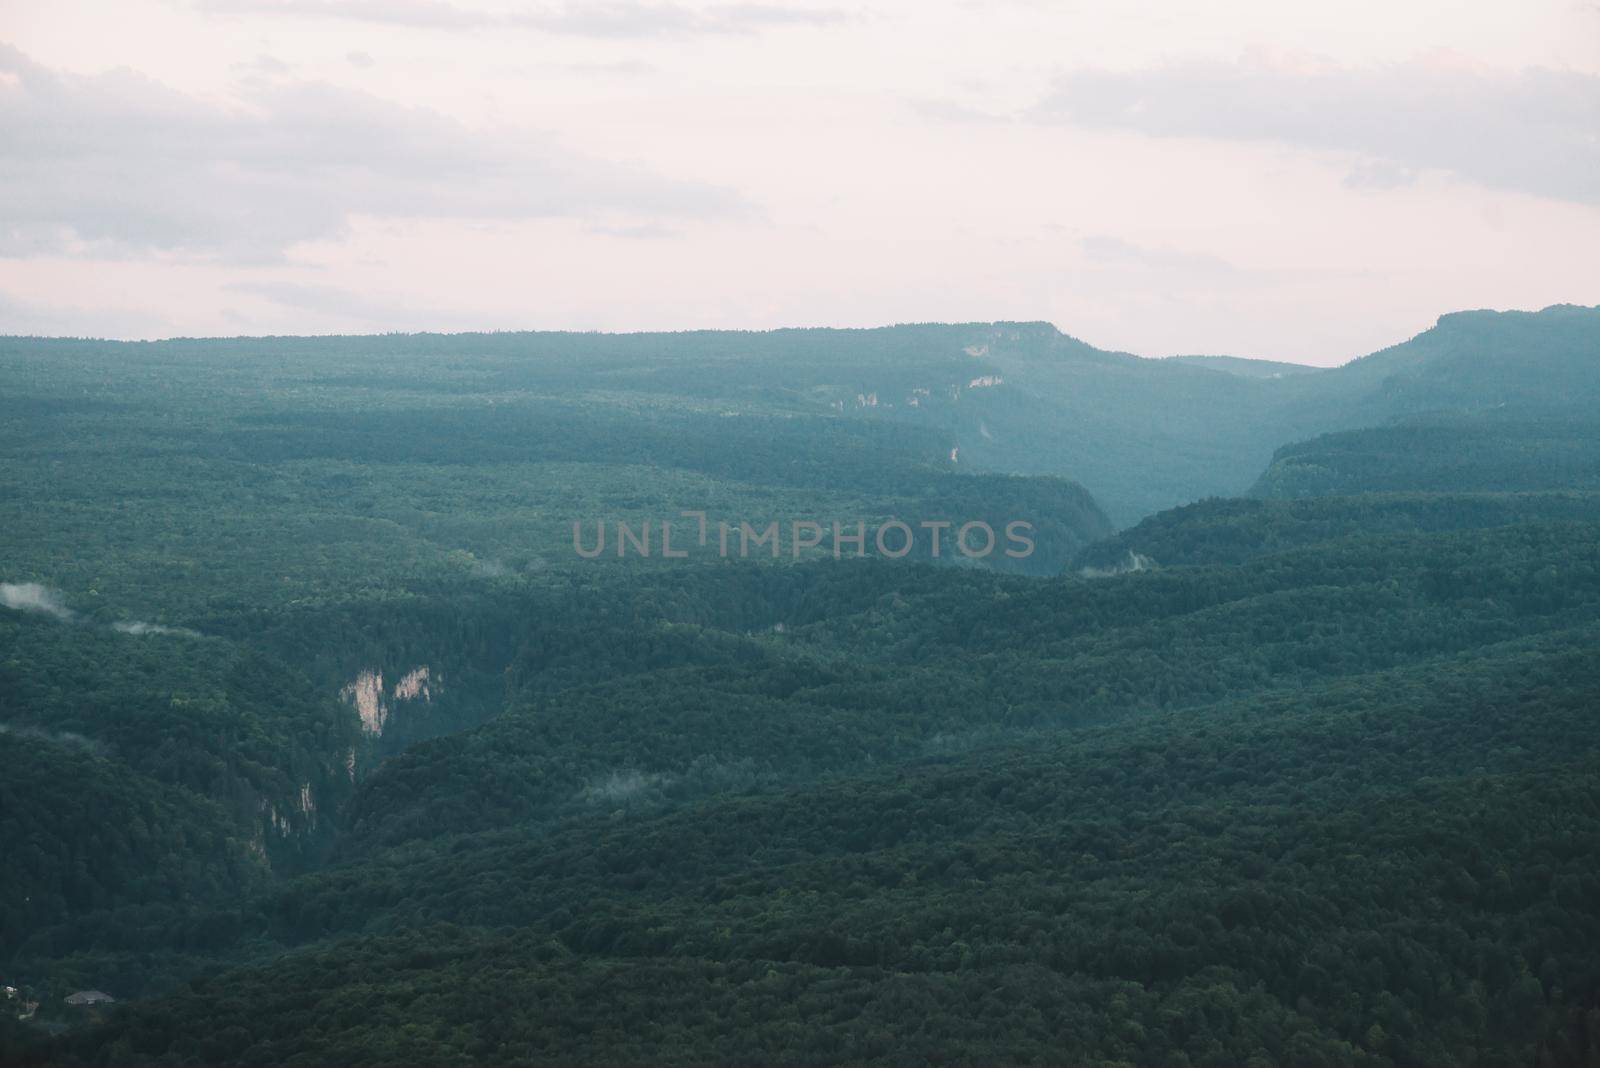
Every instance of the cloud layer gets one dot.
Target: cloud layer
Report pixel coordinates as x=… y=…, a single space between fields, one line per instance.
x=120 y=165
x=1534 y=131
x=618 y=19
x=218 y=167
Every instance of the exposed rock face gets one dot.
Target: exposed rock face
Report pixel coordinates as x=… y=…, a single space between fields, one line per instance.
x=366 y=694
x=415 y=685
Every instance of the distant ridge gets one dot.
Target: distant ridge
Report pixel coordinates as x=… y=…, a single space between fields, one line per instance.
x=1247 y=368
x=1141 y=435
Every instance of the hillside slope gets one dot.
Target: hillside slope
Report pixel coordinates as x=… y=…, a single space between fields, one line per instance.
x=1375 y=851
x=1144 y=435
x=1501 y=451
x=322 y=744
x=1022 y=398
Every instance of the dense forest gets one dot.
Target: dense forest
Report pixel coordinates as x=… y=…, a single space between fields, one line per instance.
x=321 y=744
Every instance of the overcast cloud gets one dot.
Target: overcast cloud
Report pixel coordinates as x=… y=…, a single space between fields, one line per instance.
x=118 y=165
x=375 y=311
x=1258 y=177
x=1533 y=131
x=590 y=18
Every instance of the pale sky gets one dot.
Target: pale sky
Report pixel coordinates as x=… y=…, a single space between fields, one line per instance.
x=1254 y=177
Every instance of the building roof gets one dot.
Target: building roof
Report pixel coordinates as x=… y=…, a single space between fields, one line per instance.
x=89 y=997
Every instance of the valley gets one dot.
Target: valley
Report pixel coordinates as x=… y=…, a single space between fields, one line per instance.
x=321 y=744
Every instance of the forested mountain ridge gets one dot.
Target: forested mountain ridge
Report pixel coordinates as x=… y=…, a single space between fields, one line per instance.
x=1146 y=435
x=949 y=664
x=239 y=575
x=1141 y=435
x=1237 y=529
x=1395 y=872
x=1488 y=452
x=1474 y=360
x=319 y=741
